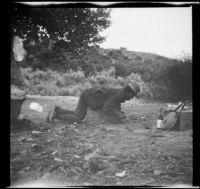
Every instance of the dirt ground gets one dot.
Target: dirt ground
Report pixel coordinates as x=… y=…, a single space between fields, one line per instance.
x=134 y=153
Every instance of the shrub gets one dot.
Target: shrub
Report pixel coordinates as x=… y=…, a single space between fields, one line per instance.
x=180 y=80
x=105 y=78
x=60 y=82
x=72 y=77
x=159 y=92
x=172 y=80
x=121 y=69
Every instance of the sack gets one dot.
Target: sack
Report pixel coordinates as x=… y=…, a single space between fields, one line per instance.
x=171 y=119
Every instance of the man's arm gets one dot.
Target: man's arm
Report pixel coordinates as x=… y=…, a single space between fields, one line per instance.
x=112 y=108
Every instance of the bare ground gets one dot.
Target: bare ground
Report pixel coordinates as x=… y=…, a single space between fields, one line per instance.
x=134 y=153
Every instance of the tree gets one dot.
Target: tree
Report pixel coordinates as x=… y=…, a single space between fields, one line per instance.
x=71 y=29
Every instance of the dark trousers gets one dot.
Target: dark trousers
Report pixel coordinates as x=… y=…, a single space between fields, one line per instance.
x=73 y=116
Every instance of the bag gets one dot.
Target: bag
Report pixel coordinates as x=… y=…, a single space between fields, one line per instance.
x=171 y=119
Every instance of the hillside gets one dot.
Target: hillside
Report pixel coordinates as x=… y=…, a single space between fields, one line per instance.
x=48 y=73
x=133 y=55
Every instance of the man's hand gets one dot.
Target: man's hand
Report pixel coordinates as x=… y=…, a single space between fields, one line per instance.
x=120 y=116
x=116 y=116
x=123 y=114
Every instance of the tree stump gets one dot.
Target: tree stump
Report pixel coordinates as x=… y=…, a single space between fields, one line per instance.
x=17 y=98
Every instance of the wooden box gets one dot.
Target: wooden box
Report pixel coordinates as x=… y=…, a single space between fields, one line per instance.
x=186 y=120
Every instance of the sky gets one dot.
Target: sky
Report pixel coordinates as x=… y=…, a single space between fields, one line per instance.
x=164 y=31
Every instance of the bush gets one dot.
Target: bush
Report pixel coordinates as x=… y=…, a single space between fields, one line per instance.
x=121 y=69
x=54 y=83
x=74 y=83
x=72 y=77
x=159 y=92
x=180 y=80
x=172 y=80
x=104 y=78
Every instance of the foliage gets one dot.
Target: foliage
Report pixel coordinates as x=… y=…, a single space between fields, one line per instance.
x=62 y=61
x=72 y=29
x=74 y=82
x=94 y=61
x=180 y=80
x=161 y=78
x=54 y=83
x=104 y=78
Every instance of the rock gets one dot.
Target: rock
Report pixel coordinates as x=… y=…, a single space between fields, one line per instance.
x=27 y=168
x=89 y=156
x=143 y=117
x=119 y=183
x=55 y=152
x=86 y=183
x=37 y=148
x=156 y=172
x=58 y=160
x=29 y=140
x=121 y=174
x=77 y=156
x=21 y=172
x=45 y=176
x=95 y=165
x=35 y=106
x=32 y=145
x=21 y=139
x=36 y=132
x=89 y=145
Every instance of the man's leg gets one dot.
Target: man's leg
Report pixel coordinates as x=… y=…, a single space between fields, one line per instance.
x=52 y=114
x=55 y=112
x=68 y=115
x=76 y=116
x=69 y=118
x=63 y=111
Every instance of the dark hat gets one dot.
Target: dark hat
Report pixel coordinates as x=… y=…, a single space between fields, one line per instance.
x=134 y=87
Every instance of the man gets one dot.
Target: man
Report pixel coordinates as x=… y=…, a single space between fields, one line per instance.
x=107 y=99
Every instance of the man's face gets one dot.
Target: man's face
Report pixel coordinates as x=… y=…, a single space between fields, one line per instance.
x=129 y=95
